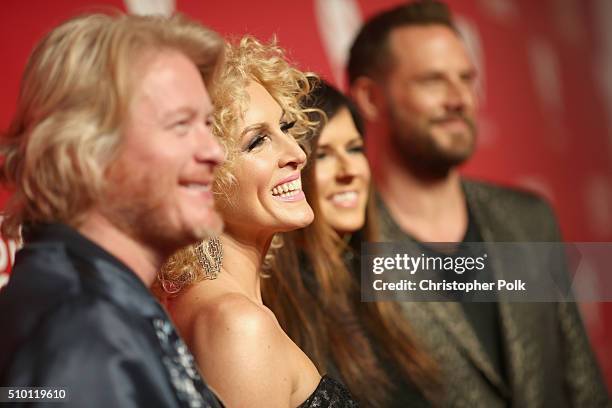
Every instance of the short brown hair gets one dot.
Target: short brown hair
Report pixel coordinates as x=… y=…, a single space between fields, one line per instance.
x=73 y=100
x=369 y=54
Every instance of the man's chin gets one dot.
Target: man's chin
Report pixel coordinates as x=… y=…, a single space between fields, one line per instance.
x=213 y=228
x=457 y=157
x=457 y=150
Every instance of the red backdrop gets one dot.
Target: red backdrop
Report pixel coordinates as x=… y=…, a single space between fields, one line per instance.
x=546 y=116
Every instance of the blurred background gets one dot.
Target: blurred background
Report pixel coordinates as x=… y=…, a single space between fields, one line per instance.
x=545 y=86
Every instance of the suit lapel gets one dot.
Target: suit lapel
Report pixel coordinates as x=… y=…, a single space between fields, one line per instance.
x=511 y=320
x=450 y=315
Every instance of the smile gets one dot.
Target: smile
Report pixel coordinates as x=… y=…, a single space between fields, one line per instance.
x=288 y=189
x=201 y=190
x=198 y=187
x=345 y=199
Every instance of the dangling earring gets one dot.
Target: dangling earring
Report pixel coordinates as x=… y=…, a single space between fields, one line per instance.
x=170 y=288
x=210 y=256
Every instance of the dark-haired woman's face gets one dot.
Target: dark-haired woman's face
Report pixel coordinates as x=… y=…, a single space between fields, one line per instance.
x=342 y=174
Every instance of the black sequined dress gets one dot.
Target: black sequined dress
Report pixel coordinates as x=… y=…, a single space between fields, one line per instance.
x=330 y=394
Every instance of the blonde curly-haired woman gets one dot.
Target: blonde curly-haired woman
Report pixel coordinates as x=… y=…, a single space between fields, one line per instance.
x=239 y=346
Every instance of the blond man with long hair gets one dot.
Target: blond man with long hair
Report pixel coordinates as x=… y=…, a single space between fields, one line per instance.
x=217 y=306
x=110 y=158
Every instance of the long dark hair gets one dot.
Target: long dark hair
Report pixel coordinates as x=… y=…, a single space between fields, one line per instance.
x=316 y=299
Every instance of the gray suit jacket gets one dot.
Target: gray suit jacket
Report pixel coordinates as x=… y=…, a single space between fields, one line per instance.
x=548 y=355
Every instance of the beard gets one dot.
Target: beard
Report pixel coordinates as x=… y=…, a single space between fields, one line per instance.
x=424 y=153
x=137 y=205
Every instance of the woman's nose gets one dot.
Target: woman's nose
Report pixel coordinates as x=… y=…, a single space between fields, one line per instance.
x=293 y=154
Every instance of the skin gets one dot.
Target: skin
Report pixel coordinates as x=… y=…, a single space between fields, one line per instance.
x=241 y=349
x=342 y=168
x=430 y=98
x=421 y=125
x=152 y=206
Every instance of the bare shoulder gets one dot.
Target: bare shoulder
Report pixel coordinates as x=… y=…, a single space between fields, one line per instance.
x=206 y=315
x=242 y=353
x=232 y=317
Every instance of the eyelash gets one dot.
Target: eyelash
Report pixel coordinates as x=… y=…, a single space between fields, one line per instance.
x=256 y=141
x=260 y=138
x=286 y=126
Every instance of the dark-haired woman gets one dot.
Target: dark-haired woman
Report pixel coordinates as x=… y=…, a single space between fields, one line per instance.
x=313 y=288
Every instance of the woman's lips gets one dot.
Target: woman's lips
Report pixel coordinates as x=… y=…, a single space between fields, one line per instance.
x=296 y=195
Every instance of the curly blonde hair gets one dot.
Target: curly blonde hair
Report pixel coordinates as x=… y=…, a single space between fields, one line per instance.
x=74 y=96
x=247 y=60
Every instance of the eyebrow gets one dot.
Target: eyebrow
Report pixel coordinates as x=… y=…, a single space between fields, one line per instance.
x=260 y=125
x=357 y=138
x=178 y=111
x=256 y=126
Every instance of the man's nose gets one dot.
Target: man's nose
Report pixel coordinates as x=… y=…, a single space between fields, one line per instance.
x=210 y=150
x=459 y=96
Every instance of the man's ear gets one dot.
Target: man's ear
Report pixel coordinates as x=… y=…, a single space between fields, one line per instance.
x=368 y=97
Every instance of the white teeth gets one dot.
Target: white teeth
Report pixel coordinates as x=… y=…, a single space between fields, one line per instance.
x=198 y=186
x=288 y=189
x=346 y=197
x=290 y=194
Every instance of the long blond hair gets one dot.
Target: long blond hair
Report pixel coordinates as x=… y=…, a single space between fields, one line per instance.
x=74 y=96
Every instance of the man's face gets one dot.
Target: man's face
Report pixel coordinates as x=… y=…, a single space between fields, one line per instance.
x=430 y=98
x=159 y=188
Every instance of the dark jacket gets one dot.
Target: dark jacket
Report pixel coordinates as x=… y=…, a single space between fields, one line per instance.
x=73 y=317
x=548 y=358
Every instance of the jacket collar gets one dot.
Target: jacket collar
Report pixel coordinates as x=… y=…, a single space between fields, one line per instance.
x=98 y=270
x=449 y=314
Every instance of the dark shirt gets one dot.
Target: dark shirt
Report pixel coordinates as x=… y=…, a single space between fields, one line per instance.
x=76 y=318
x=483 y=316
x=546 y=350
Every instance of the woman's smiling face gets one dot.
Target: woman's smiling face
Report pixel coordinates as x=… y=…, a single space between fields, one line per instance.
x=268 y=194
x=342 y=174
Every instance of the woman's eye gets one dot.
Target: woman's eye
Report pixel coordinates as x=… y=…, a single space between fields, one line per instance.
x=355 y=149
x=256 y=142
x=286 y=126
x=321 y=155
